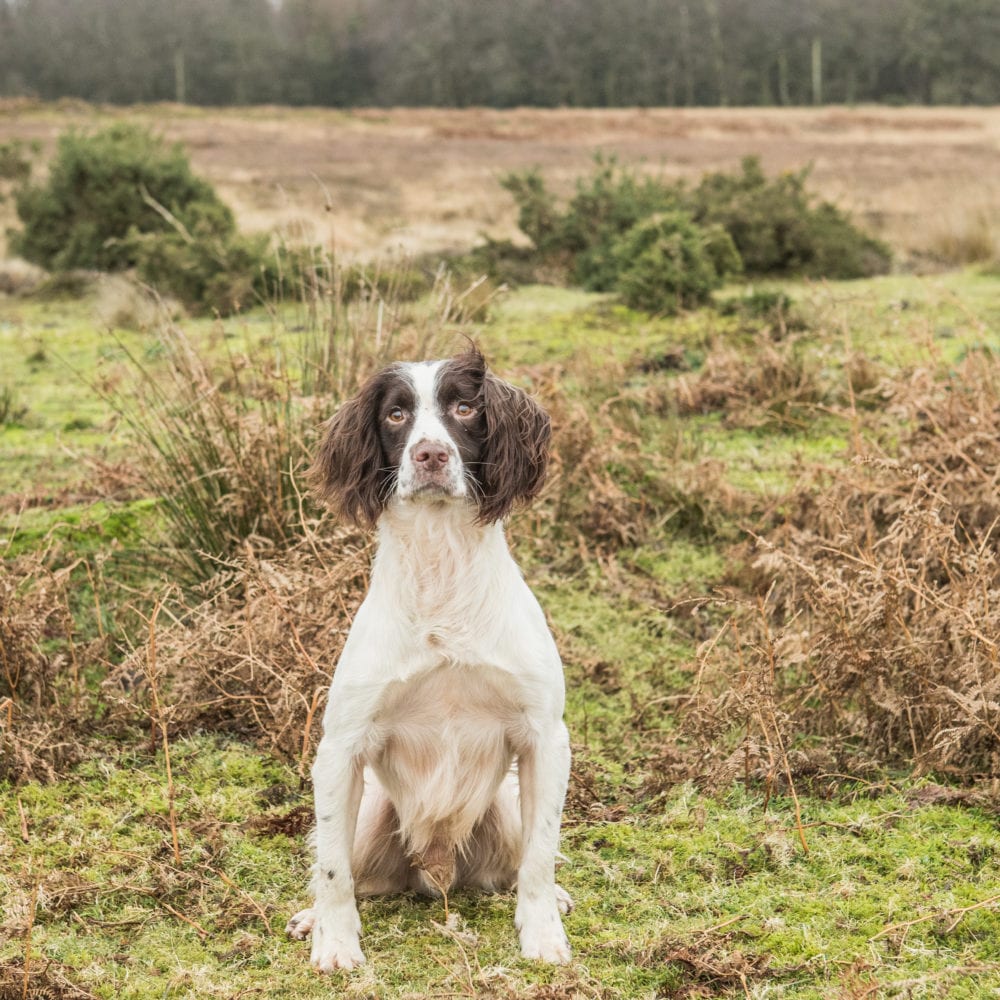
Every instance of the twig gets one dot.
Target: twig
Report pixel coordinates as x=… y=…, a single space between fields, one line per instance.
x=180 y=916
x=725 y=923
x=968 y=909
x=777 y=730
x=470 y=989
x=165 y=214
x=27 y=941
x=232 y=885
x=153 y=894
x=317 y=694
x=24 y=820
x=957 y=912
x=95 y=592
x=158 y=720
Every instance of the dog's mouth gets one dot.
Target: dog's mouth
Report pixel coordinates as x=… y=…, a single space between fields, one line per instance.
x=433 y=490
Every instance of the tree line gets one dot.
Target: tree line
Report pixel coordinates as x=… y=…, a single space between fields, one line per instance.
x=502 y=53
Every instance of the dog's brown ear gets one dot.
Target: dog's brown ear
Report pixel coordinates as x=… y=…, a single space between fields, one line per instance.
x=349 y=471
x=515 y=453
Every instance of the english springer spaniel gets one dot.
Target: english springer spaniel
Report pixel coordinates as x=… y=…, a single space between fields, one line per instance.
x=444 y=756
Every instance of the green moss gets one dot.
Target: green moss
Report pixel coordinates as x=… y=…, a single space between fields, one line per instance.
x=85 y=529
x=679 y=563
x=699 y=872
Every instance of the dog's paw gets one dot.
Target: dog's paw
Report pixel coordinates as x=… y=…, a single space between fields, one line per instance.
x=336 y=951
x=301 y=925
x=333 y=946
x=563 y=900
x=335 y=942
x=547 y=944
x=542 y=936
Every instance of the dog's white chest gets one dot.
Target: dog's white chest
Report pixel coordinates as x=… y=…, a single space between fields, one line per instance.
x=442 y=742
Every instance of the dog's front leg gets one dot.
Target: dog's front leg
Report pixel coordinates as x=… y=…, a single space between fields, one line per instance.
x=338 y=784
x=542 y=772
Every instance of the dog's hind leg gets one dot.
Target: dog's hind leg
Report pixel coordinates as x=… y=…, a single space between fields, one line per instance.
x=489 y=858
x=379 y=863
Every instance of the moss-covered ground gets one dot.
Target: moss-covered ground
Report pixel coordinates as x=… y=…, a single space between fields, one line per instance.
x=679 y=893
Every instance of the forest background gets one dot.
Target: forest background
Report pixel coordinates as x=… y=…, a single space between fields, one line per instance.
x=543 y=53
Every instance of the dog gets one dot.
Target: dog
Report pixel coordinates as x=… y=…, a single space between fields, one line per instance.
x=444 y=758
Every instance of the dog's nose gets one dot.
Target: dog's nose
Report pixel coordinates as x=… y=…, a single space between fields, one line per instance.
x=429 y=456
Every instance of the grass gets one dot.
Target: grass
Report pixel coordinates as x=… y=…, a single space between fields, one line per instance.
x=679 y=893
x=705 y=890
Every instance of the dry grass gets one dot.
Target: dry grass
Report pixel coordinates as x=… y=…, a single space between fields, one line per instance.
x=256 y=656
x=365 y=182
x=44 y=981
x=123 y=304
x=43 y=704
x=869 y=631
x=18 y=277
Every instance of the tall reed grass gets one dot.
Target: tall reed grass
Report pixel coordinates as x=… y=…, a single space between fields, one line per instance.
x=225 y=432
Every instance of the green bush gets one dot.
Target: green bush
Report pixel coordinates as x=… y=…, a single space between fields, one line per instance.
x=583 y=236
x=220 y=275
x=779 y=231
x=774 y=225
x=107 y=191
x=15 y=160
x=504 y=261
x=666 y=263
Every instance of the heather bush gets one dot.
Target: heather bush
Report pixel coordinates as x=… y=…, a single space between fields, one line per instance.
x=666 y=263
x=773 y=226
x=107 y=190
x=778 y=229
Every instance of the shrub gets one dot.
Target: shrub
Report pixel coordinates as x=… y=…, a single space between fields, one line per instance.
x=124 y=198
x=219 y=275
x=15 y=161
x=779 y=231
x=107 y=190
x=603 y=209
x=504 y=261
x=773 y=224
x=667 y=262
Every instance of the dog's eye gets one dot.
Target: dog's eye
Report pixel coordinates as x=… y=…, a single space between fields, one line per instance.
x=464 y=409
x=396 y=415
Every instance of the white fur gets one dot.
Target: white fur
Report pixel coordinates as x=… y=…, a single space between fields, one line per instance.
x=428 y=427
x=444 y=757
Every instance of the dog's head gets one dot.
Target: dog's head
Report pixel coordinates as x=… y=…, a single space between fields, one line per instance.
x=446 y=431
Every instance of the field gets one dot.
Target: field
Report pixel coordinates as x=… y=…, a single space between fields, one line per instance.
x=767 y=551
x=372 y=181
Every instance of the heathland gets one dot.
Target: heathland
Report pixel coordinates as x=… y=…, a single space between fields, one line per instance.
x=767 y=551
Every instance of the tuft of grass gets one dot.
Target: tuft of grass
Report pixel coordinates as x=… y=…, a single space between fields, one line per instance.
x=969 y=238
x=224 y=441
x=12 y=413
